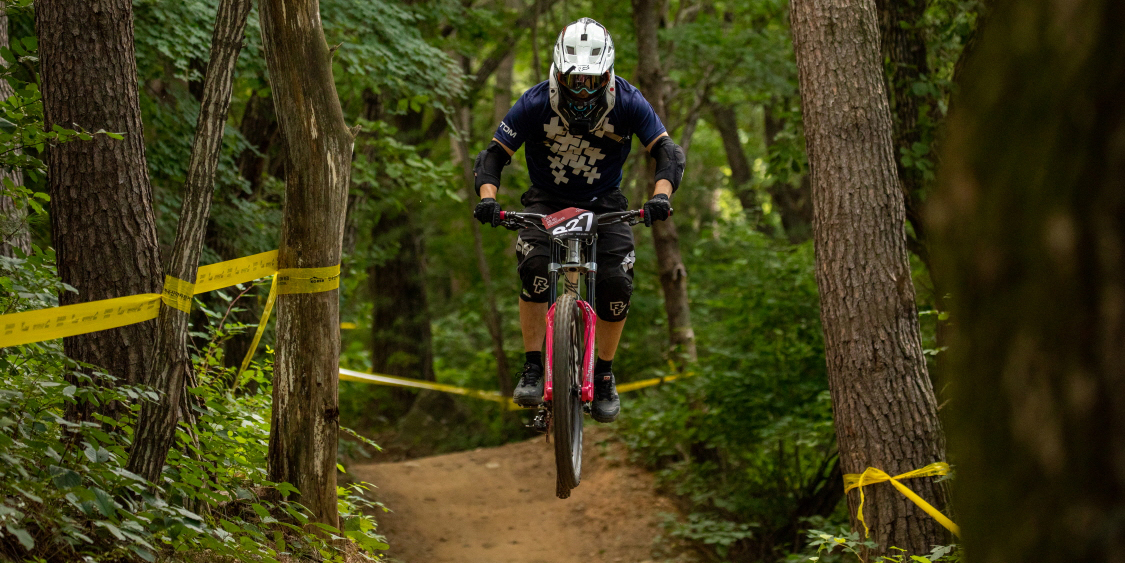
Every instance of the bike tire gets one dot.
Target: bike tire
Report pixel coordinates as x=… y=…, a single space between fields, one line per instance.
x=566 y=400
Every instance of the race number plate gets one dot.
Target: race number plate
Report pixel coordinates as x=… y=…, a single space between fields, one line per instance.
x=570 y=221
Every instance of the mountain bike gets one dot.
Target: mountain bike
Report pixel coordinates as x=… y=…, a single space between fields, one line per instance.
x=569 y=374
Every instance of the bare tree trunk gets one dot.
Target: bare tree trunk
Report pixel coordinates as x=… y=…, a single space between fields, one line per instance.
x=492 y=317
x=14 y=232
x=793 y=202
x=883 y=402
x=1029 y=237
x=726 y=122
x=673 y=275
x=401 y=340
x=306 y=414
x=502 y=97
x=171 y=363
x=903 y=46
x=102 y=224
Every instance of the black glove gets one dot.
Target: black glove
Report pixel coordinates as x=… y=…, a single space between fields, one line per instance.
x=657 y=209
x=488 y=212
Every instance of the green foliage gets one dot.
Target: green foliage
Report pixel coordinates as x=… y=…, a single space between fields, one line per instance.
x=67 y=494
x=742 y=442
x=840 y=546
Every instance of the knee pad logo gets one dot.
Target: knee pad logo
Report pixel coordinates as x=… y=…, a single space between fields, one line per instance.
x=523 y=247
x=627 y=263
x=539 y=284
x=617 y=307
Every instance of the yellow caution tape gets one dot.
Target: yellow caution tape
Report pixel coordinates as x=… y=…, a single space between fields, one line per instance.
x=83 y=318
x=872 y=475
x=396 y=381
x=308 y=280
x=261 y=327
x=625 y=388
x=348 y=326
x=178 y=293
x=234 y=272
x=60 y=322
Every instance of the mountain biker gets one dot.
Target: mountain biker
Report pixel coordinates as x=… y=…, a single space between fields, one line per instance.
x=578 y=128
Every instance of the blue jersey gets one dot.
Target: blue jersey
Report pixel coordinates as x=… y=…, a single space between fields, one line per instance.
x=577 y=167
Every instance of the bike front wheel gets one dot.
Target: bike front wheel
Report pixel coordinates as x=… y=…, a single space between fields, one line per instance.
x=566 y=398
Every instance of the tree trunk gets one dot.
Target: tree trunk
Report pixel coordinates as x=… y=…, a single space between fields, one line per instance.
x=1029 y=227
x=726 y=122
x=793 y=202
x=492 y=317
x=883 y=402
x=401 y=341
x=14 y=232
x=171 y=362
x=305 y=419
x=102 y=223
x=502 y=97
x=903 y=46
x=673 y=275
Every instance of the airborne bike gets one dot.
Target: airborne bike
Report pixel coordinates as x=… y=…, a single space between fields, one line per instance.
x=571 y=320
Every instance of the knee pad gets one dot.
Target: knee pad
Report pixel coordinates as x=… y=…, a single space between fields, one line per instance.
x=612 y=298
x=533 y=274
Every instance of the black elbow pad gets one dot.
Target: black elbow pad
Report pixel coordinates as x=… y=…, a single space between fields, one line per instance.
x=670 y=161
x=490 y=162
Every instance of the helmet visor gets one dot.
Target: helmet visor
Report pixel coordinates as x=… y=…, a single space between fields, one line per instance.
x=583 y=85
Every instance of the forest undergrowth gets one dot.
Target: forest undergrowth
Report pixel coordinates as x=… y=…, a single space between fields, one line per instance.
x=68 y=497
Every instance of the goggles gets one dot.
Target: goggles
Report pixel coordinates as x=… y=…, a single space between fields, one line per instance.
x=583 y=85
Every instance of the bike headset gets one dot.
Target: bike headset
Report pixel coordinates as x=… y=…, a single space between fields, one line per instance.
x=583 y=86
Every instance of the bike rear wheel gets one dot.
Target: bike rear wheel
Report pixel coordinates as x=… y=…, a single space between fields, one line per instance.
x=566 y=399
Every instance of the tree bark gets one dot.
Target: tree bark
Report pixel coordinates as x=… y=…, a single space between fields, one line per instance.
x=673 y=275
x=492 y=317
x=903 y=47
x=401 y=340
x=171 y=362
x=793 y=202
x=305 y=418
x=102 y=223
x=1029 y=227
x=14 y=231
x=502 y=96
x=726 y=122
x=883 y=402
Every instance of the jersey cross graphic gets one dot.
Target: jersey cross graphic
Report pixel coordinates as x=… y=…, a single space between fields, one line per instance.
x=575 y=156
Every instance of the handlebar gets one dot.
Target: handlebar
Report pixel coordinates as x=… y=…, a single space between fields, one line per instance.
x=515 y=220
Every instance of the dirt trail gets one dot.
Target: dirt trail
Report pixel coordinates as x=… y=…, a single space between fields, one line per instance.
x=498 y=505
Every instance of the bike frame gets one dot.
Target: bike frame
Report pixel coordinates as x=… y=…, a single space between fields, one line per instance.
x=571 y=257
x=572 y=266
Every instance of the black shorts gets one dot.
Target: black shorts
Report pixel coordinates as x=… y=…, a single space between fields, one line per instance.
x=615 y=253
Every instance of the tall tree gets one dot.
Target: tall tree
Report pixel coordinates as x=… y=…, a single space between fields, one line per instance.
x=883 y=402
x=1029 y=227
x=14 y=231
x=102 y=224
x=305 y=420
x=673 y=274
x=171 y=363
x=903 y=47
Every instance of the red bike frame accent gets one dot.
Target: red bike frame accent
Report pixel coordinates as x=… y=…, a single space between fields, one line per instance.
x=550 y=353
x=590 y=320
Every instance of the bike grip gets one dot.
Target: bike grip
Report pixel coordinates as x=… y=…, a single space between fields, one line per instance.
x=642 y=214
x=502 y=213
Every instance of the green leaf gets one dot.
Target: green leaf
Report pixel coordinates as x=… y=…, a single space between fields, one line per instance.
x=21 y=534
x=143 y=553
x=260 y=510
x=64 y=478
x=104 y=502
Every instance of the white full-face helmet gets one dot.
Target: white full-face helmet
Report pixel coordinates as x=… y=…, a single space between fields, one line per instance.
x=583 y=86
